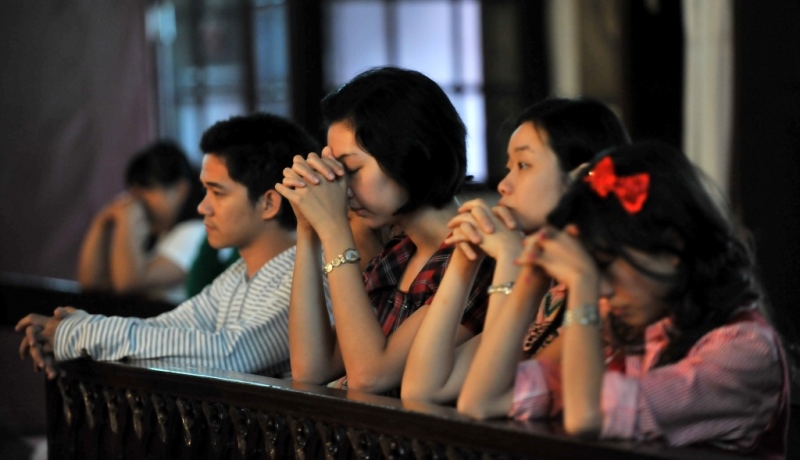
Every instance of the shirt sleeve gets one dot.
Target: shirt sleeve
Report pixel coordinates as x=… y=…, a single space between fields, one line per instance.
x=182 y=244
x=537 y=390
x=254 y=341
x=724 y=391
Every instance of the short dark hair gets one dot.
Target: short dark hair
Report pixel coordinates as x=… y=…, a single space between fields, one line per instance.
x=577 y=129
x=405 y=120
x=164 y=164
x=716 y=272
x=256 y=149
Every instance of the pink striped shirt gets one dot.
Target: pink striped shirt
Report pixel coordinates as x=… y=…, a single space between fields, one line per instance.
x=731 y=390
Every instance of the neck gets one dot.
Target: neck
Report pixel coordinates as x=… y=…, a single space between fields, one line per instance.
x=269 y=244
x=427 y=227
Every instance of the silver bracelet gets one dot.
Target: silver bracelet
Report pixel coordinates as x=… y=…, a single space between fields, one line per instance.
x=504 y=288
x=349 y=256
x=585 y=315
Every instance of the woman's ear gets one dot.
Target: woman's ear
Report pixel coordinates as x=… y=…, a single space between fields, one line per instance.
x=269 y=204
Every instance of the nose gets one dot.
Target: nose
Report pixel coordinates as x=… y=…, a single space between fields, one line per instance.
x=505 y=187
x=606 y=289
x=203 y=208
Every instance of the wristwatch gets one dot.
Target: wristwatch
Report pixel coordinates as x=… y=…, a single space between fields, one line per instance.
x=349 y=256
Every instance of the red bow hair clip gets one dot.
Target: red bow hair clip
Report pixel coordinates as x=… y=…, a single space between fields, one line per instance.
x=630 y=190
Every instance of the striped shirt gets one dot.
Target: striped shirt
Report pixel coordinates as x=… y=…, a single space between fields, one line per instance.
x=234 y=324
x=731 y=390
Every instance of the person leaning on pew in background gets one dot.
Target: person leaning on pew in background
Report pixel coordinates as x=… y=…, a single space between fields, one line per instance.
x=146 y=239
x=552 y=138
x=239 y=322
x=686 y=356
x=396 y=156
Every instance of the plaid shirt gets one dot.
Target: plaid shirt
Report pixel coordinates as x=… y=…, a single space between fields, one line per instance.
x=393 y=306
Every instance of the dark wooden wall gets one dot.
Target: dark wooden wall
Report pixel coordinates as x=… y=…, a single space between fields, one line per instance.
x=767 y=147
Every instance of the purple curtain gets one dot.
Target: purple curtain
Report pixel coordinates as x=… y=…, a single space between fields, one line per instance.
x=76 y=100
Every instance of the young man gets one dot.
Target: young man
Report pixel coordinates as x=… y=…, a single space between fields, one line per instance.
x=240 y=321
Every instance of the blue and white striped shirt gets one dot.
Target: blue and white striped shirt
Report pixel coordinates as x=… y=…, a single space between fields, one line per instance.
x=234 y=324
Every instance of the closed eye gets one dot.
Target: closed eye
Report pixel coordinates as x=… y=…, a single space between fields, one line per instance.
x=603 y=260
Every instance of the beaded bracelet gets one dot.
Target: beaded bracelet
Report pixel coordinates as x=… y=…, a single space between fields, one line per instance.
x=585 y=315
x=504 y=288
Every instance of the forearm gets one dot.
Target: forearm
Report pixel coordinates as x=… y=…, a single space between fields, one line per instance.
x=93 y=261
x=582 y=365
x=248 y=347
x=127 y=255
x=505 y=270
x=360 y=338
x=489 y=382
x=311 y=339
x=430 y=372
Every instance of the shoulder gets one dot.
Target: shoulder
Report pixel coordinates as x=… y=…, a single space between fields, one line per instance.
x=278 y=271
x=748 y=343
x=187 y=228
x=232 y=275
x=185 y=235
x=281 y=263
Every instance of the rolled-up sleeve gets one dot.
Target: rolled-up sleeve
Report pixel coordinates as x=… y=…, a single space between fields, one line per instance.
x=724 y=391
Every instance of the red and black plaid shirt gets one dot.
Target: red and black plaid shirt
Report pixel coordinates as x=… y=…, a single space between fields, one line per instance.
x=393 y=306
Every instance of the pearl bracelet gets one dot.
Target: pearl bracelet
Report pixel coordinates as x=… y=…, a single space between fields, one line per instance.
x=585 y=315
x=504 y=288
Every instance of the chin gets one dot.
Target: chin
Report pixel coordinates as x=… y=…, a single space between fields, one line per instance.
x=216 y=244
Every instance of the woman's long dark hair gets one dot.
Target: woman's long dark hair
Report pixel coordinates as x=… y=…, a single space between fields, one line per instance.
x=164 y=164
x=716 y=272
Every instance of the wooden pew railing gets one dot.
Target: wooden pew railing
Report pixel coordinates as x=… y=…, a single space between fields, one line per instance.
x=159 y=410
x=151 y=409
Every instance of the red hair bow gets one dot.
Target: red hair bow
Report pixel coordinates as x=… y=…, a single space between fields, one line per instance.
x=630 y=190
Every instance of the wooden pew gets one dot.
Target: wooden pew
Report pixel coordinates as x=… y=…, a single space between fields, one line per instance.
x=152 y=409
x=155 y=409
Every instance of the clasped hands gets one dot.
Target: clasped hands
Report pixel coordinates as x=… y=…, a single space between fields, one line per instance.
x=479 y=229
x=317 y=189
x=39 y=337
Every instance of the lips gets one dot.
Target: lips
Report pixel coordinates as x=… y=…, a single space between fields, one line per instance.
x=620 y=312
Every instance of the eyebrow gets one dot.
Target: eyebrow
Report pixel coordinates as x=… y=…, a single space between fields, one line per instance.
x=522 y=148
x=216 y=185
